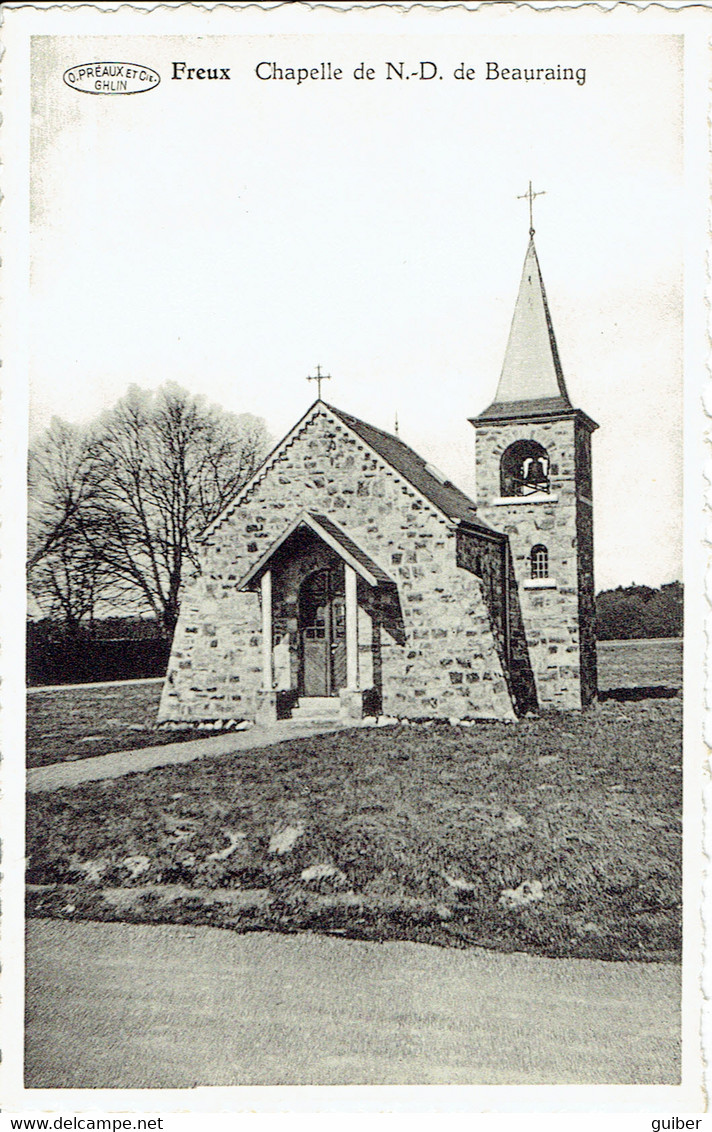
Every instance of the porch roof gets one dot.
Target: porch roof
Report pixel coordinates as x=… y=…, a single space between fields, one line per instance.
x=334 y=537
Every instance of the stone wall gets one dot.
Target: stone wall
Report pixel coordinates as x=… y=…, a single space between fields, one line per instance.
x=215 y=664
x=551 y=615
x=586 y=583
x=433 y=649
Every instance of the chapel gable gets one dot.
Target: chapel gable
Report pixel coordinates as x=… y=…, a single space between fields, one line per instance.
x=345 y=545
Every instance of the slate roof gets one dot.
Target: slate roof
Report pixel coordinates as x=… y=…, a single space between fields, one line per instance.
x=445 y=496
x=351 y=548
x=536 y=407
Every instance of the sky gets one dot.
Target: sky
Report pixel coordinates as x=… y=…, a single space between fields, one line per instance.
x=231 y=235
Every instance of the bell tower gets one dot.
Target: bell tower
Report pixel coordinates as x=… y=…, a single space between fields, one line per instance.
x=534 y=484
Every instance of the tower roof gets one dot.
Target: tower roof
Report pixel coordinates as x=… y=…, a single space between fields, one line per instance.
x=532 y=381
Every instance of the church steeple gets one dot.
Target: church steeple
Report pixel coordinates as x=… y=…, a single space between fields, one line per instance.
x=531 y=381
x=534 y=481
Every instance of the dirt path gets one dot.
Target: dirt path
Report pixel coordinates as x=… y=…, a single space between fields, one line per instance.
x=56 y=775
x=132 y=1006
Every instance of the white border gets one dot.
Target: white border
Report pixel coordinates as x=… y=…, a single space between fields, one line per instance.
x=21 y=21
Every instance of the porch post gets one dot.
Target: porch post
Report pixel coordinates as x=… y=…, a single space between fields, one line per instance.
x=266 y=584
x=351 y=629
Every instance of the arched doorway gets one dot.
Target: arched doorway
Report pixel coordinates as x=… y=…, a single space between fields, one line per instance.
x=322 y=632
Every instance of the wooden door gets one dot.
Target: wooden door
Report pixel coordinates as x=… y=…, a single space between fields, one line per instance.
x=315 y=659
x=322 y=628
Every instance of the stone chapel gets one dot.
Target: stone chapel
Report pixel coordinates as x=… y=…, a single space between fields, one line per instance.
x=349 y=577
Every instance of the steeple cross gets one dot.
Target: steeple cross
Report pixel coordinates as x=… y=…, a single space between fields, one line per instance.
x=318 y=377
x=529 y=195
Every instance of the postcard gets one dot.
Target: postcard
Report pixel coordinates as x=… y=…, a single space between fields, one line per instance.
x=355 y=370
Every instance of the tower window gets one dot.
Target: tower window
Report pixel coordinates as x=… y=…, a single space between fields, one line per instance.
x=539 y=562
x=524 y=469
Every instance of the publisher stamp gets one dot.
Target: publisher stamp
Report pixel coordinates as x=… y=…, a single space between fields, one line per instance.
x=111 y=78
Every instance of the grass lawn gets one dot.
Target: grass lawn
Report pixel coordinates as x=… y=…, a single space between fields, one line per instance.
x=77 y=723
x=558 y=835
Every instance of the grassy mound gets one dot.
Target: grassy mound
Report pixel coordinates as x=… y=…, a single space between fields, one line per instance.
x=559 y=835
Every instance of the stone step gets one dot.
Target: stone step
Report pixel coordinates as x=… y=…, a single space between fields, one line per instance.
x=299 y=717
x=317 y=707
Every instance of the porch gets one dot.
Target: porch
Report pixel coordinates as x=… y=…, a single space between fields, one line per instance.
x=324 y=607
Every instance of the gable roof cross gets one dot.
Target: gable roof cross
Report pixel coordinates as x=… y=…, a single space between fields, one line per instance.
x=319 y=377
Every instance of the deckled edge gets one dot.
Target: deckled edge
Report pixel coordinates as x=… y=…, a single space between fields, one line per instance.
x=705 y=975
x=403 y=6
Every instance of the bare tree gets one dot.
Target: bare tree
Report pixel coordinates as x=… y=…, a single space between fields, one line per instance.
x=63 y=575
x=67 y=583
x=60 y=482
x=153 y=472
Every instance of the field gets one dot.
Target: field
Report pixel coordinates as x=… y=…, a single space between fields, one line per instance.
x=644 y=669
x=558 y=835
